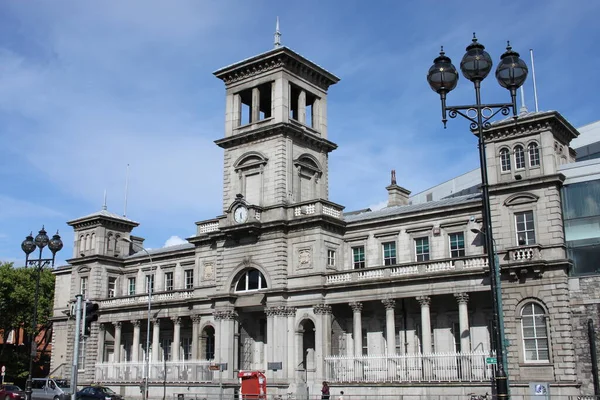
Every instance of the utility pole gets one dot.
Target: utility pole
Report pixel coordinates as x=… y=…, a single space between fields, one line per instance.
x=75 y=367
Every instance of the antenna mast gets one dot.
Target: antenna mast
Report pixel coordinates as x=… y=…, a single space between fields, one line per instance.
x=104 y=205
x=534 y=85
x=277 y=42
x=126 y=190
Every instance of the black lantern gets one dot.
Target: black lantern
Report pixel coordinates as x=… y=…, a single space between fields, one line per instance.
x=28 y=245
x=442 y=75
x=55 y=244
x=41 y=240
x=512 y=71
x=476 y=64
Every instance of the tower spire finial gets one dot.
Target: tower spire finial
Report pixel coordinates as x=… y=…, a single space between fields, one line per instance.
x=277 y=42
x=104 y=205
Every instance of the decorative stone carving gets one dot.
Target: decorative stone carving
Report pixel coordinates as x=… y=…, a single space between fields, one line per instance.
x=356 y=306
x=196 y=318
x=425 y=301
x=209 y=271
x=176 y=320
x=304 y=258
x=247 y=262
x=101 y=327
x=276 y=311
x=117 y=324
x=461 y=298
x=290 y=311
x=136 y=323
x=389 y=303
x=225 y=314
x=322 y=309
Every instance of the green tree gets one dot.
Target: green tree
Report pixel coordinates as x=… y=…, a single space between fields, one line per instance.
x=17 y=298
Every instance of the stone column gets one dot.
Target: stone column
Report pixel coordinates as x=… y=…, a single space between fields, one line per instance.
x=316 y=115
x=226 y=320
x=195 y=336
x=156 y=340
x=390 y=325
x=463 y=321
x=357 y=327
x=135 y=347
x=425 y=324
x=101 y=334
x=322 y=339
x=255 y=116
x=176 y=338
x=291 y=366
x=270 y=348
x=117 y=341
x=302 y=107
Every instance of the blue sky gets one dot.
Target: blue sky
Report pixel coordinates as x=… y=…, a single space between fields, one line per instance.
x=89 y=87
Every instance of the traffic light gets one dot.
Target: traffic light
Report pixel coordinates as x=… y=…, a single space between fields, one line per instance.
x=91 y=315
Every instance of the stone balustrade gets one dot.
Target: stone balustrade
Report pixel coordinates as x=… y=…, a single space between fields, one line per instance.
x=137 y=299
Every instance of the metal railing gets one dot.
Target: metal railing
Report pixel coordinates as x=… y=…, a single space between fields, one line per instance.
x=434 y=367
x=169 y=371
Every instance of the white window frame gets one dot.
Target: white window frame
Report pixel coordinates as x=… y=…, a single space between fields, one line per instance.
x=130 y=281
x=188 y=278
x=245 y=277
x=505 y=160
x=463 y=249
x=169 y=281
x=149 y=283
x=83 y=286
x=330 y=258
x=392 y=259
x=417 y=254
x=538 y=340
x=519 y=153
x=112 y=287
x=357 y=264
x=534 y=154
x=529 y=225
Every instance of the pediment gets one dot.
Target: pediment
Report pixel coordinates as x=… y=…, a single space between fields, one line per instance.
x=520 y=198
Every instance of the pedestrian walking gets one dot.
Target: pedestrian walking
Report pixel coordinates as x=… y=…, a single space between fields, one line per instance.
x=325 y=391
x=341 y=395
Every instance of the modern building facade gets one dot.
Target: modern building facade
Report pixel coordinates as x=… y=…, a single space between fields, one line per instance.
x=286 y=282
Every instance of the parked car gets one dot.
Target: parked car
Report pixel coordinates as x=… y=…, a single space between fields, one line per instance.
x=11 y=392
x=50 y=389
x=97 y=393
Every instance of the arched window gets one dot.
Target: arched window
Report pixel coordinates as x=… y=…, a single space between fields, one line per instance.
x=208 y=343
x=309 y=172
x=250 y=280
x=535 y=333
x=519 y=157
x=250 y=168
x=81 y=244
x=88 y=242
x=534 y=155
x=93 y=239
x=505 y=160
x=109 y=242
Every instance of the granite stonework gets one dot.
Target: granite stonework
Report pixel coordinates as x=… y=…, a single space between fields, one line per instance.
x=397 y=300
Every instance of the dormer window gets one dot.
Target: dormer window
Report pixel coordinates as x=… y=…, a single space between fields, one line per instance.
x=534 y=155
x=519 y=157
x=505 y=160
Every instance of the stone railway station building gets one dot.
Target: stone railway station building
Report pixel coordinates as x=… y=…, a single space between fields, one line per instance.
x=284 y=281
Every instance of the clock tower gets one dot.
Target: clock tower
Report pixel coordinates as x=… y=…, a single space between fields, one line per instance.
x=276 y=146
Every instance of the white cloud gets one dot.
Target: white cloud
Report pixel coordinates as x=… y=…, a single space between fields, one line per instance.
x=174 y=241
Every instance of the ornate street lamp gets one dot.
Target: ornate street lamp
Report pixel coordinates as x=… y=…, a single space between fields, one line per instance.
x=511 y=73
x=28 y=246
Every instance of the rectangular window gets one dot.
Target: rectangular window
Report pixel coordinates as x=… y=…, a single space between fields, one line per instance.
x=165 y=347
x=505 y=160
x=112 y=286
x=131 y=286
x=189 y=278
x=525 y=228
x=519 y=157
x=331 y=258
x=168 y=281
x=81 y=361
x=83 y=285
x=187 y=348
x=389 y=253
x=457 y=244
x=149 y=283
x=422 y=249
x=358 y=256
x=365 y=343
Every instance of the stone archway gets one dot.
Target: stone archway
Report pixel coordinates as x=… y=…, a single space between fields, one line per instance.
x=308 y=361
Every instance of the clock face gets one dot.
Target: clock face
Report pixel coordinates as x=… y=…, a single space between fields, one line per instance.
x=240 y=214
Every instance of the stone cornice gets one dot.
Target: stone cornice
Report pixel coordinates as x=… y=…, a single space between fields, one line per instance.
x=100 y=259
x=281 y=58
x=283 y=129
x=528 y=183
x=532 y=124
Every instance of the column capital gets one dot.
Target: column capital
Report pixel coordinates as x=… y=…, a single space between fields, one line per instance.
x=291 y=311
x=117 y=324
x=176 y=320
x=156 y=320
x=322 y=309
x=102 y=327
x=196 y=318
x=357 y=306
x=425 y=301
x=225 y=314
x=136 y=323
x=275 y=311
x=389 y=304
x=462 y=298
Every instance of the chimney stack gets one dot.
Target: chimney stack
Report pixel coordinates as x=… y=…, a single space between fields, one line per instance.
x=397 y=195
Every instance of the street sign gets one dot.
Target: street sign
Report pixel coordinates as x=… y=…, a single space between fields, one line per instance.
x=491 y=360
x=214 y=367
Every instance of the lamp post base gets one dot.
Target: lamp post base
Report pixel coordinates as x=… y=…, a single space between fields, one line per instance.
x=502 y=385
x=28 y=389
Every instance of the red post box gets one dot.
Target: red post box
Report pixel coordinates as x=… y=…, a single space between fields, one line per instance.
x=253 y=385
